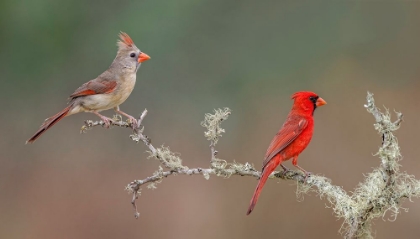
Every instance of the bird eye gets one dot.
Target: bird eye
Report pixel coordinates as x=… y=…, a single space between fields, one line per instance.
x=133 y=54
x=313 y=99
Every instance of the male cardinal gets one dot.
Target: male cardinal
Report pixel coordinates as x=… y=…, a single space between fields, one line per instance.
x=291 y=140
x=108 y=90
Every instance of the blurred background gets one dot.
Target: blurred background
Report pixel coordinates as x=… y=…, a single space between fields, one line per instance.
x=247 y=55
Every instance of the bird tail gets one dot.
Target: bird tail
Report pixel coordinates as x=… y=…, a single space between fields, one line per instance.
x=268 y=169
x=48 y=123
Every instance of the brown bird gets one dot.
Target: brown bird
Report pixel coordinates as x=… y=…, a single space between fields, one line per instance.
x=108 y=90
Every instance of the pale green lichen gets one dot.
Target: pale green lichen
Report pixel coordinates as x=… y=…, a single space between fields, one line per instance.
x=117 y=117
x=238 y=168
x=213 y=124
x=219 y=163
x=129 y=189
x=157 y=174
x=206 y=175
x=168 y=158
x=342 y=205
x=219 y=167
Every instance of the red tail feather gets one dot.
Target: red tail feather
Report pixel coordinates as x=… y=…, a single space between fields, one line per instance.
x=268 y=169
x=49 y=123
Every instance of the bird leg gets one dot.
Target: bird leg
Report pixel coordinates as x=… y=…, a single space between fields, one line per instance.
x=294 y=162
x=133 y=120
x=285 y=170
x=107 y=121
x=303 y=170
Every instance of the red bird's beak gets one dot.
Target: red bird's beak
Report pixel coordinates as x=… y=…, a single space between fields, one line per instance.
x=320 y=102
x=143 y=57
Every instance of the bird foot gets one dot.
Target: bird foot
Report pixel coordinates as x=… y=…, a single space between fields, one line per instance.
x=133 y=121
x=307 y=174
x=107 y=121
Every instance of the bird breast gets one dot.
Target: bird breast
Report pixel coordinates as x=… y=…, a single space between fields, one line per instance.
x=125 y=87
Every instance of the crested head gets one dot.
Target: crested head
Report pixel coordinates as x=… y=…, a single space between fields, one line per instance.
x=129 y=57
x=307 y=101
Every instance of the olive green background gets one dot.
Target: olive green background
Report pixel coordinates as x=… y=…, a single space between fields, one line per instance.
x=247 y=55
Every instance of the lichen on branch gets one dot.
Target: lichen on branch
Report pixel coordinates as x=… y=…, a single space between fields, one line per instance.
x=213 y=124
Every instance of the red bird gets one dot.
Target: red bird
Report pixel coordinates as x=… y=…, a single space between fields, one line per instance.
x=291 y=140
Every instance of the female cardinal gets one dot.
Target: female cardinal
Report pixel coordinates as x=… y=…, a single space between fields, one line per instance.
x=108 y=90
x=291 y=140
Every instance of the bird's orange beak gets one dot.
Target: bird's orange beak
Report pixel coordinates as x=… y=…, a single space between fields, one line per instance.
x=320 y=102
x=143 y=57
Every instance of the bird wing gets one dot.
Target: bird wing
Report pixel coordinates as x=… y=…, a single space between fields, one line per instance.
x=291 y=129
x=94 y=87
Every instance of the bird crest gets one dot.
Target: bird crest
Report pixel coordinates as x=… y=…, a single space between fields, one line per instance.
x=302 y=94
x=125 y=41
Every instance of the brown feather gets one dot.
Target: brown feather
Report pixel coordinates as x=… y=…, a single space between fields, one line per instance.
x=48 y=123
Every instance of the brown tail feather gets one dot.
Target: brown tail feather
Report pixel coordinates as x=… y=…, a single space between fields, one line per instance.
x=268 y=169
x=48 y=123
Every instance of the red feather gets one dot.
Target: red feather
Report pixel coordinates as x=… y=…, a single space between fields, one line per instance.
x=291 y=140
x=291 y=129
x=126 y=39
x=94 y=87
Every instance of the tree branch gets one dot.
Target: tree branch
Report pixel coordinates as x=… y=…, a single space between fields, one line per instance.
x=382 y=190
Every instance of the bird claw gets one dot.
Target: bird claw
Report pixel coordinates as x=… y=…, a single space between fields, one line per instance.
x=133 y=121
x=285 y=170
x=107 y=122
x=307 y=174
